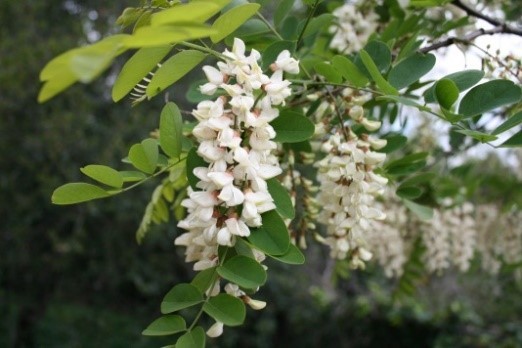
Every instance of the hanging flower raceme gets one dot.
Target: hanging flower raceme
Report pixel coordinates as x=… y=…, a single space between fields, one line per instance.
x=235 y=139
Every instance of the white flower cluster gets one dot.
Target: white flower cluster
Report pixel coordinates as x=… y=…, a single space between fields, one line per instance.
x=353 y=28
x=348 y=186
x=235 y=139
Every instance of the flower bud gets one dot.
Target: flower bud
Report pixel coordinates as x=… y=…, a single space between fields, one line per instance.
x=215 y=330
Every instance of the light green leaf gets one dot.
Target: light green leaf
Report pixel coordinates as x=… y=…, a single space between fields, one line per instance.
x=105 y=175
x=329 y=72
x=56 y=85
x=77 y=192
x=186 y=13
x=226 y=308
x=422 y=211
x=192 y=339
x=204 y=279
x=136 y=68
x=489 y=96
x=293 y=256
x=272 y=237
x=165 y=325
x=194 y=161
x=480 y=136
x=281 y=198
x=132 y=175
x=411 y=69
x=446 y=93
x=243 y=271
x=171 y=125
x=228 y=22
x=376 y=75
x=174 y=69
x=144 y=156
x=508 y=124
x=292 y=127
x=514 y=141
x=179 y=297
x=350 y=71
x=463 y=80
x=149 y=36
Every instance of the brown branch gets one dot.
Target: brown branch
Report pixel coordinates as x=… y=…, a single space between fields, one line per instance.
x=474 y=13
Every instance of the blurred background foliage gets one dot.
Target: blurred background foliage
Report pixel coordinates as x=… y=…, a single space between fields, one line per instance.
x=75 y=277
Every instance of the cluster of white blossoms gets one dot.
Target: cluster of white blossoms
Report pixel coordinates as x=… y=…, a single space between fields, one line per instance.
x=234 y=138
x=348 y=187
x=353 y=28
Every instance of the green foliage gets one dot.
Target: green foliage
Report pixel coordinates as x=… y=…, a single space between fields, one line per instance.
x=410 y=70
x=179 y=297
x=292 y=256
x=489 y=96
x=281 y=198
x=243 y=271
x=194 y=338
x=77 y=192
x=165 y=325
x=272 y=237
x=226 y=308
x=103 y=174
x=292 y=127
x=171 y=124
x=144 y=156
x=228 y=22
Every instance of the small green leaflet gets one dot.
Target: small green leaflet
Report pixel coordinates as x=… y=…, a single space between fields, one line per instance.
x=194 y=161
x=509 y=123
x=480 y=136
x=179 y=297
x=282 y=10
x=226 y=308
x=422 y=211
x=376 y=75
x=243 y=271
x=192 y=339
x=446 y=93
x=144 y=156
x=227 y=23
x=165 y=325
x=463 y=80
x=380 y=54
x=349 y=70
x=514 y=141
x=197 y=12
x=174 y=69
x=204 y=279
x=292 y=127
x=149 y=36
x=394 y=142
x=293 y=256
x=489 y=96
x=103 y=174
x=329 y=72
x=281 y=198
x=171 y=125
x=272 y=237
x=77 y=192
x=411 y=69
x=132 y=175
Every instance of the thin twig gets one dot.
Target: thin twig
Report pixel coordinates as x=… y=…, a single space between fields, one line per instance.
x=310 y=15
x=269 y=25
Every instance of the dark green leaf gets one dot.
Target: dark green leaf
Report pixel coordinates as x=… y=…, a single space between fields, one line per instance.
x=179 y=297
x=394 y=143
x=376 y=75
x=272 y=237
x=105 y=175
x=194 y=161
x=77 y=192
x=489 y=96
x=419 y=179
x=463 y=80
x=171 y=124
x=281 y=198
x=165 y=325
x=329 y=72
x=508 y=124
x=480 y=136
x=243 y=271
x=317 y=24
x=411 y=69
x=282 y=10
x=380 y=55
x=204 y=279
x=293 y=256
x=408 y=192
x=226 y=308
x=192 y=339
x=292 y=127
x=514 y=141
x=349 y=71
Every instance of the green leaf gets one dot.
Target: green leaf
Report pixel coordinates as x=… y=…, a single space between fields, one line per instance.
x=271 y=52
x=179 y=297
x=282 y=10
x=489 y=96
x=376 y=75
x=317 y=24
x=165 y=325
x=192 y=339
x=293 y=256
x=411 y=69
x=394 y=142
x=185 y=13
x=508 y=124
x=349 y=70
x=446 y=93
x=149 y=36
x=292 y=127
x=463 y=80
x=137 y=67
x=105 y=175
x=174 y=69
x=329 y=72
x=422 y=211
x=419 y=179
x=194 y=161
x=243 y=271
x=408 y=192
x=480 y=136
x=77 y=192
x=171 y=124
x=407 y=164
x=380 y=55
x=226 y=308
x=514 y=141
x=281 y=198
x=204 y=279
x=272 y=237
x=144 y=156
x=132 y=175
x=227 y=23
